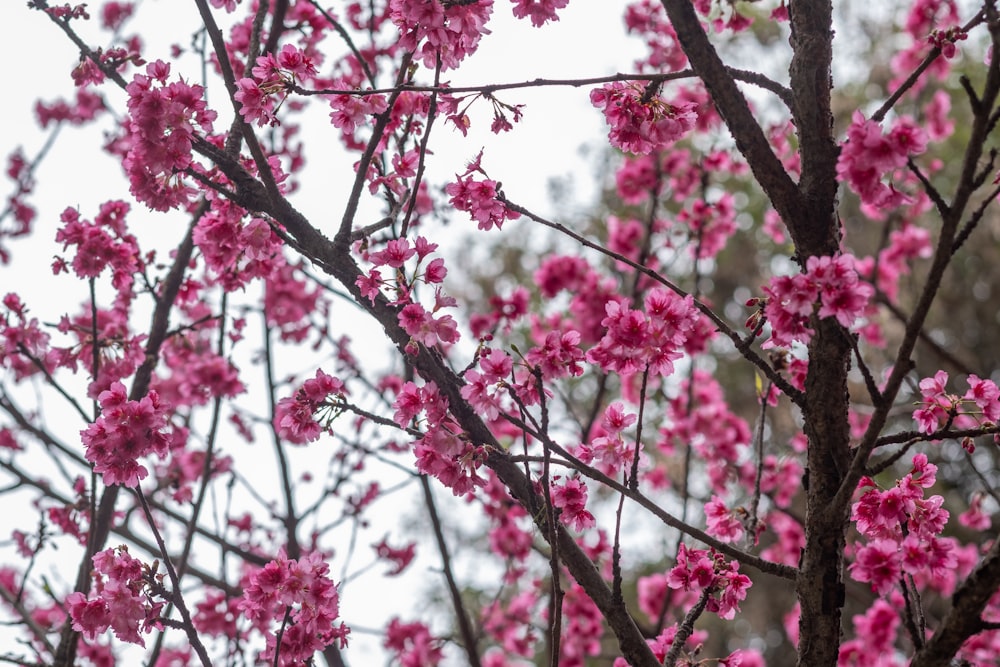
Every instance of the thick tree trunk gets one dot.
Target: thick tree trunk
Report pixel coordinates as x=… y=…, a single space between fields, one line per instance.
x=820 y=586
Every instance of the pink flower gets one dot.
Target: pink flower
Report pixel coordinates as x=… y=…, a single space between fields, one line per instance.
x=480 y=200
x=432 y=29
x=125 y=431
x=938 y=405
x=722 y=522
x=571 y=499
x=694 y=570
x=842 y=295
x=256 y=106
x=974 y=517
x=299 y=596
x=122 y=601
x=986 y=396
x=425 y=328
x=641 y=122
x=412 y=644
x=298 y=417
x=879 y=563
x=539 y=11
x=90 y=617
x=161 y=126
x=868 y=155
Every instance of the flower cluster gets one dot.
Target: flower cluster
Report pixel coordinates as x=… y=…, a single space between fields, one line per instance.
x=832 y=281
x=709 y=225
x=237 y=252
x=902 y=528
x=23 y=343
x=85 y=108
x=698 y=569
x=647 y=340
x=539 y=11
x=300 y=595
x=349 y=112
x=125 y=431
x=699 y=415
x=424 y=326
x=123 y=602
x=433 y=30
x=272 y=75
x=723 y=523
x=511 y=623
x=945 y=40
x=641 y=122
x=868 y=155
x=979 y=406
x=298 y=417
x=589 y=291
x=484 y=388
x=290 y=304
x=442 y=451
x=570 y=498
x=905 y=246
x=481 y=198
x=413 y=644
x=874 y=636
x=100 y=244
x=161 y=127
x=608 y=448
x=648 y=19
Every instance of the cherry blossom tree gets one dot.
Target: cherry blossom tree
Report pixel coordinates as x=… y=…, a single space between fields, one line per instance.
x=733 y=401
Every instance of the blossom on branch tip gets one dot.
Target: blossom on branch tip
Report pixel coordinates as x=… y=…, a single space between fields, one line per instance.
x=481 y=199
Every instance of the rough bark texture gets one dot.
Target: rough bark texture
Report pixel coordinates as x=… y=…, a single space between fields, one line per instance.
x=809 y=211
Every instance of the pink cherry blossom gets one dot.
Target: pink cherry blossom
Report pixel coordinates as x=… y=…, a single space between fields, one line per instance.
x=641 y=122
x=570 y=498
x=125 y=432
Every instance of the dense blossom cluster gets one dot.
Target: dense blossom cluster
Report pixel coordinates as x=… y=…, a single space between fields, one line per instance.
x=125 y=432
x=480 y=197
x=702 y=570
x=273 y=75
x=443 y=451
x=162 y=121
x=299 y=603
x=640 y=120
x=649 y=340
x=832 y=283
x=869 y=155
x=445 y=32
x=903 y=532
x=123 y=599
x=101 y=244
x=298 y=418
